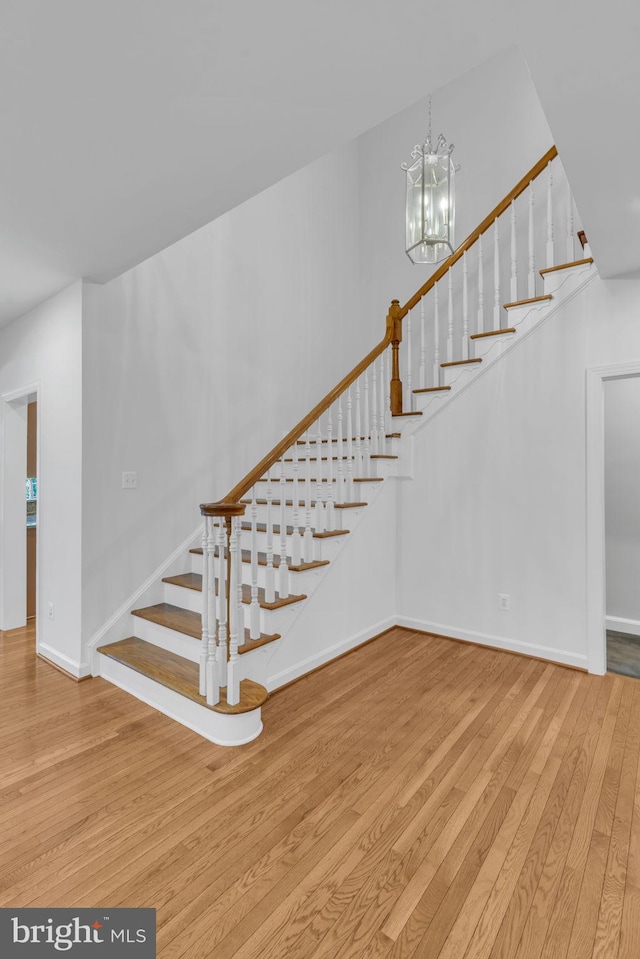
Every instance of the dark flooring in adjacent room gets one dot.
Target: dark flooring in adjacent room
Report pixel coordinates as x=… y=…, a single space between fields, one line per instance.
x=623 y=654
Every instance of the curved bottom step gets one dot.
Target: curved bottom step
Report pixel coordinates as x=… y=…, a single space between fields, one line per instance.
x=169 y=683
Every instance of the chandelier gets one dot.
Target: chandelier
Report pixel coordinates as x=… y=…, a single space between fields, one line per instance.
x=430 y=200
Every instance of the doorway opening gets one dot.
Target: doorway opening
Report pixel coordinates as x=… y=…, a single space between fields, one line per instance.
x=622 y=524
x=613 y=529
x=19 y=546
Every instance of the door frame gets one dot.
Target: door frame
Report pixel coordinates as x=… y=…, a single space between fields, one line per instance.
x=595 y=509
x=13 y=576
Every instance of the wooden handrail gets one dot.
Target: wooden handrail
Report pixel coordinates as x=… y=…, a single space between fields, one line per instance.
x=243 y=487
x=230 y=504
x=503 y=205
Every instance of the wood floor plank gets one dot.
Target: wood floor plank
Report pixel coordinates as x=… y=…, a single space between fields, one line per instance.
x=418 y=798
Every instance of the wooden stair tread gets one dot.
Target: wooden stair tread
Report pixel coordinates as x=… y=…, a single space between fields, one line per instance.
x=481 y=336
x=314 y=459
x=301 y=503
x=316 y=480
x=262 y=560
x=409 y=413
x=533 y=299
x=432 y=389
x=190 y=623
x=566 y=266
x=194 y=581
x=383 y=456
x=582 y=236
x=262 y=528
x=179 y=674
x=313 y=441
x=173 y=617
x=393 y=436
x=477 y=359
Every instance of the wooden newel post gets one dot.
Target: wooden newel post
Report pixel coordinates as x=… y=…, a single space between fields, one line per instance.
x=394 y=327
x=221 y=650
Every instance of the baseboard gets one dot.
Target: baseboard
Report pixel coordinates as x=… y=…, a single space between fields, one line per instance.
x=99 y=638
x=549 y=653
x=72 y=669
x=292 y=673
x=621 y=625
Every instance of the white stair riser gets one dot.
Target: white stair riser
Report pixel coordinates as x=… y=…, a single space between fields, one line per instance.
x=216 y=727
x=527 y=315
x=166 y=638
x=341 y=518
x=321 y=469
x=552 y=282
x=460 y=375
x=491 y=347
x=324 y=549
x=270 y=619
x=431 y=401
x=301 y=581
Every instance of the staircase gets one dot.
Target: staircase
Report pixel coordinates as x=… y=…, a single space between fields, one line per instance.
x=232 y=623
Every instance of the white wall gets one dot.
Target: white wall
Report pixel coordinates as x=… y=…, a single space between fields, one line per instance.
x=200 y=359
x=622 y=502
x=498 y=504
x=44 y=349
x=493 y=116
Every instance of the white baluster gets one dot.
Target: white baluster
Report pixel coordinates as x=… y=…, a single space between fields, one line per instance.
x=384 y=390
x=235 y=583
x=388 y=418
x=465 y=307
x=450 y=320
x=423 y=349
x=320 y=513
x=349 y=490
x=436 y=336
x=340 y=454
x=270 y=576
x=549 y=216
x=222 y=611
x=480 y=284
x=513 y=292
x=283 y=569
x=366 y=444
x=570 y=252
x=206 y=606
x=374 y=410
x=408 y=399
x=496 y=276
x=296 y=539
x=358 y=456
x=307 y=542
x=329 y=518
x=204 y=639
x=254 y=612
x=531 y=280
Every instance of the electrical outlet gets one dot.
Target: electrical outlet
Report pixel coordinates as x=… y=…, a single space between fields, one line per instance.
x=129 y=480
x=50 y=610
x=504 y=601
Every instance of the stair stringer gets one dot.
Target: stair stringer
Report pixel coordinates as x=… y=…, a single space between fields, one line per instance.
x=357 y=600
x=530 y=321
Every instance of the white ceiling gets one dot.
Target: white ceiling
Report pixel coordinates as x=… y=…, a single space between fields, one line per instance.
x=127 y=124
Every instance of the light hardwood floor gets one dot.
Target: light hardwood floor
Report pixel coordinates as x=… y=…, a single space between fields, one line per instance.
x=417 y=798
